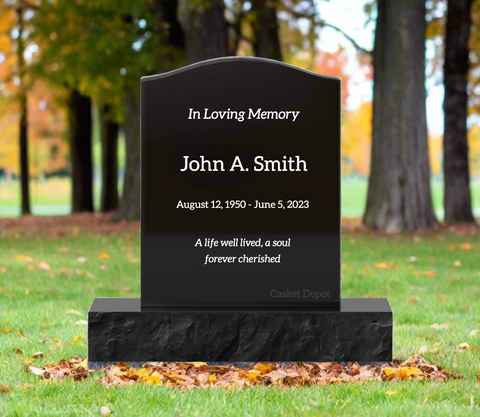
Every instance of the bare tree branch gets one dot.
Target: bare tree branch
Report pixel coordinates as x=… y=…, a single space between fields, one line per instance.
x=347 y=37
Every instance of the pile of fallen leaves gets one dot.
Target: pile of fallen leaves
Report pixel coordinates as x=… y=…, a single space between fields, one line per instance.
x=76 y=368
x=200 y=374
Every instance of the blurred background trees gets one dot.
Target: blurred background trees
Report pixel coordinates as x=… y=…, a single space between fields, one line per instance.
x=69 y=96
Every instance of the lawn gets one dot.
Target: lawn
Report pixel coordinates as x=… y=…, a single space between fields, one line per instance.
x=36 y=304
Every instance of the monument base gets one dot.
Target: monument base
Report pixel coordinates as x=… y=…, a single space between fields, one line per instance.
x=118 y=331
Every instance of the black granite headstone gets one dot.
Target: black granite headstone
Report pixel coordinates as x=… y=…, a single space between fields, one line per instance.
x=240 y=239
x=240 y=187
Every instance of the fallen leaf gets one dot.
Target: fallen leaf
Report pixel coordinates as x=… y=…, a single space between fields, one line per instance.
x=446 y=325
x=385 y=265
x=103 y=268
x=82 y=259
x=81 y=322
x=466 y=246
x=442 y=297
x=53 y=342
x=474 y=332
x=457 y=263
x=4 y=389
x=422 y=350
x=37 y=371
x=6 y=330
x=63 y=250
x=23 y=258
x=104 y=256
x=197 y=364
x=412 y=259
x=38 y=355
x=390 y=393
x=72 y=311
x=413 y=300
x=430 y=273
x=44 y=266
x=435 y=326
x=463 y=346
x=253 y=374
x=104 y=411
x=76 y=338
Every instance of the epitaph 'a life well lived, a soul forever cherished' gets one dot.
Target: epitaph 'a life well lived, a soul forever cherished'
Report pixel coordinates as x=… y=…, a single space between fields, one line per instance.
x=240 y=225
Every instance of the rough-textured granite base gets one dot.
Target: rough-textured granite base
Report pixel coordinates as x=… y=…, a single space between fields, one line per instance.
x=119 y=331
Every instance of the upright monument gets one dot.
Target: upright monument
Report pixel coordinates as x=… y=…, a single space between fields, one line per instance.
x=240 y=227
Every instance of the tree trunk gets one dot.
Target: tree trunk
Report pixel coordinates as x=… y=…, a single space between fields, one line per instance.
x=205 y=29
x=23 y=126
x=80 y=123
x=169 y=44
x=265 y=26
x=109 y=136
x=399 y=196
x=129 y=208
x=457 y=198
x=168 y=36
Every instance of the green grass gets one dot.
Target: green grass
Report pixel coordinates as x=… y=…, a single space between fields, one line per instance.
x=52 y=197
x=33 y=305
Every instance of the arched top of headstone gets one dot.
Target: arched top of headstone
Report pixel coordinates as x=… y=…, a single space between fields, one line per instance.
x=226 y=63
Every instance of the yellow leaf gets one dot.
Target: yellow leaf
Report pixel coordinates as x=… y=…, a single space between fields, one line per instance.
x=253 y=374
x=463 y=346
x=23 y=258
x=6 y=330
x=153 y=379
x=212 y=378
x=390 y=393
x=405 y=373
x=389 y=371
x=83 y=364
x=197 y=364
x=430 y=273
x=457 y=263
x=77 y=338
x=143 y=372
x=264 y=368
x=466 y=246
x=104 y=256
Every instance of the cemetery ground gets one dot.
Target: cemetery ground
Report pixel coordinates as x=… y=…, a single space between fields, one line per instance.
x=50 y=272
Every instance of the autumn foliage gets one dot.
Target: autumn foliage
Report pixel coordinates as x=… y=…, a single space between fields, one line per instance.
x=202 y=375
